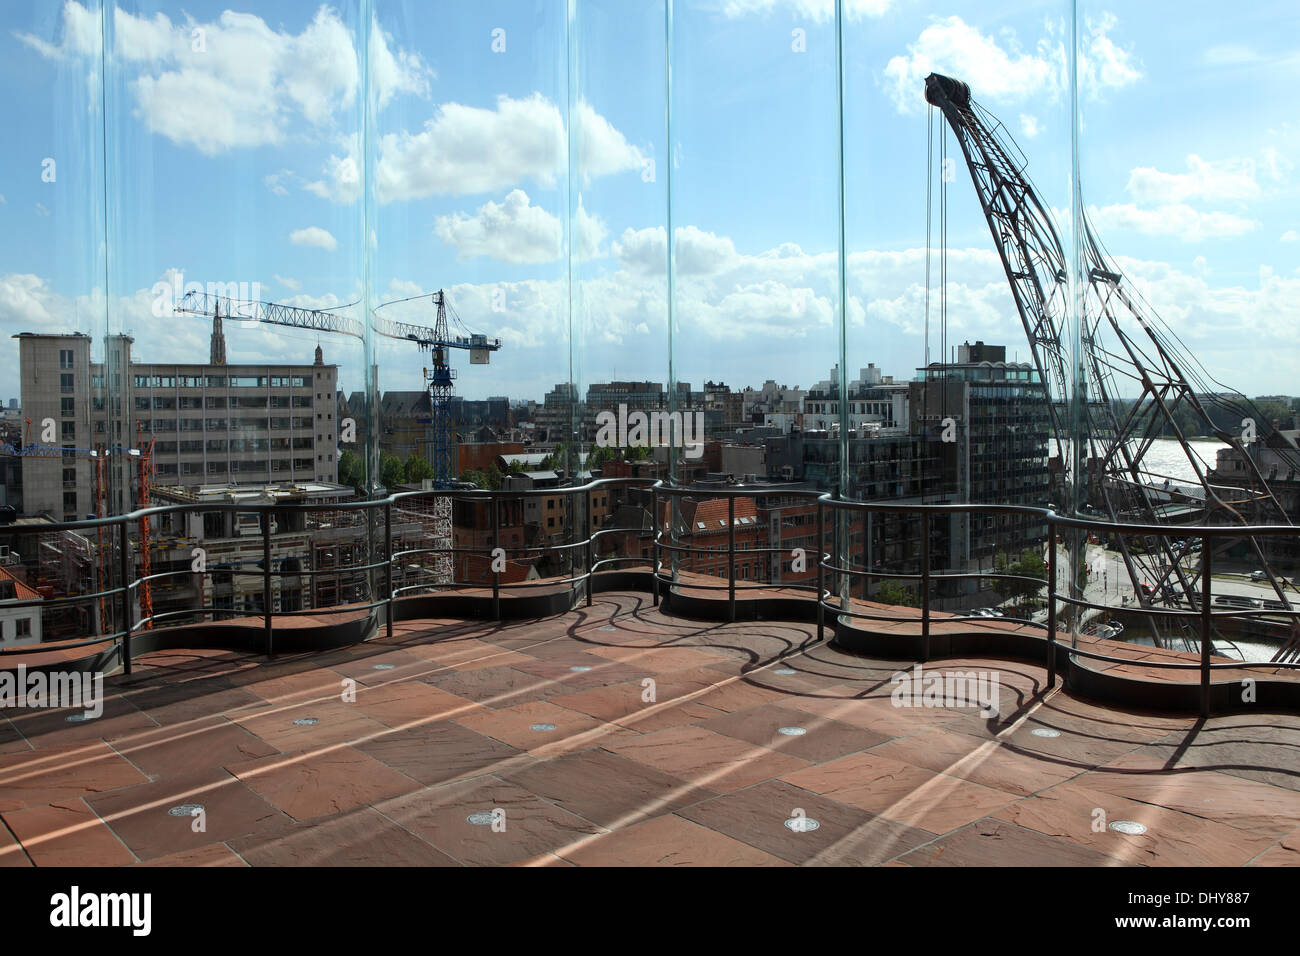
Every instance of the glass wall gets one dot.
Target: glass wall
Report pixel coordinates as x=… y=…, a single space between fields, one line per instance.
x=735 y=246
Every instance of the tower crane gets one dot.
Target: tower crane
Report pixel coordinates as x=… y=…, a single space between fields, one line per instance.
x=1121 y=338
x=439 y=379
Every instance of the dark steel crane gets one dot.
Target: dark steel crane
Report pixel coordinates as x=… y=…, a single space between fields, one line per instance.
x=1121 y=338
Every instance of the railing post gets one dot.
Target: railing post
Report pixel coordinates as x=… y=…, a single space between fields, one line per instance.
x=925 y=587
x=586 y=518
x=654 y=545
x=266 y=581
x=388 y=574
x=1207 y=568
x=821 y=542
x=496 y=575
x=124 y=564
x=731 y=558
x=1051 y=605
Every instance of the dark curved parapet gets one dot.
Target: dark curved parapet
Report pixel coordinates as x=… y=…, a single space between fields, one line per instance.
x=694 y=602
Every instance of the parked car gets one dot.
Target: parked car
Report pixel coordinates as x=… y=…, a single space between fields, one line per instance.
x=1258 y=576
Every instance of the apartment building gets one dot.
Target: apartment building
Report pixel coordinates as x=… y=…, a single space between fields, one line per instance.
x=209 y=423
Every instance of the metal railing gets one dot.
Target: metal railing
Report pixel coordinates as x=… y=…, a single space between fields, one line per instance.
x=581 y=559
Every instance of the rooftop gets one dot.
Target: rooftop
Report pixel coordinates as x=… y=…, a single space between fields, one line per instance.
x=549 y=724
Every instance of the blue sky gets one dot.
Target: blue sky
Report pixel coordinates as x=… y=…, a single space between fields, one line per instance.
x=234 y=138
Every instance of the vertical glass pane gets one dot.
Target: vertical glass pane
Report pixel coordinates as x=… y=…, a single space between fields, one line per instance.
x=755 y=222
x=234 y=288
x=947 y=356
x=618 y=208
x=52 y=311
x=469 y=197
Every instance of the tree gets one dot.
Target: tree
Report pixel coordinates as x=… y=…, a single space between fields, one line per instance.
x=390 y=470
x=416 y=469
x=1030 y=564
x=352 y=470
x=891 y=592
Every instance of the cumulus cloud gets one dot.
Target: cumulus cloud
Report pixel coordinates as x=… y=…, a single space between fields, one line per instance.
x=314 y=236
x=236 y=82
x=1174 y=219
x=513 y=231
x=1291 y=236
x=467 y=150
x=819 y=11
x=1005 y=72
x=1227 y=180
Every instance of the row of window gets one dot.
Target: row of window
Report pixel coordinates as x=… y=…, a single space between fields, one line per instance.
x=222 y=381
x=194 y=402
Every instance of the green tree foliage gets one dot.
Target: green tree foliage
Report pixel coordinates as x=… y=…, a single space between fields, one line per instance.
x=391 y=470
x=416 y=469
x=352 y=470
x=891 y=592
x=1030 y=564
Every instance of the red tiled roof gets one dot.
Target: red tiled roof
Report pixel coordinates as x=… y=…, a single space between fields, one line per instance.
x=22 y=590
x=713 y=512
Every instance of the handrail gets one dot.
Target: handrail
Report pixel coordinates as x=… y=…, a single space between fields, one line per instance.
x=577 y=572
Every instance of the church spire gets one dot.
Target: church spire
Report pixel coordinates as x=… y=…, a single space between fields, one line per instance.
x=218 y=352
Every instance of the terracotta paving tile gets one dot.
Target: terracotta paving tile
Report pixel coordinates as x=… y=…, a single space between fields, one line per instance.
x=846 y=836
x=660 y=660
x=667 y=841
x=913 y=795
x=495 y=686
x=45 y=726
x=67 y=833
x=336 y=722
x=980 y=761
x=991 y=842
x=600 y=673
x=624 y=704
x=214 y=854
x=607 y=789
x=1257 y=808
x=139 y=815
x=876 y=713
x=384 y=666
x=1074 y=744
x=290 y=688
x=706 y=759
x=11 y=851
x=312 y=783
x=362 y=837
x=468 y=654
x=1172 y=838
x=402 y=702
x=434 y=753
x=1286 y=853
x=11 y=741
x=513 y=726
x=197 y=745
x=822 y=740
x=528 y=826
x=35 y=778
x=191 y=700
x=1228 y=751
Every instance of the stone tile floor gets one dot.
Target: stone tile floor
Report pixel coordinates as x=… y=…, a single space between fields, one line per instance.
x=617 y=735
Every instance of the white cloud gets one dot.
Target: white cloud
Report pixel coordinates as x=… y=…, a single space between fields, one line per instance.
x=1029 y=125
x=819 y=11
x=341 y=180
x=247 y=83
x=1005 y=72
x=468 y=150
x=1175 y=219
x=293 y=285
x=314 y=236
x=1290 y=236
x=1228 y=180
x=513 y=231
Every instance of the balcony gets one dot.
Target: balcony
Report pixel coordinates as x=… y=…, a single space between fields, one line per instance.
x=621 y=712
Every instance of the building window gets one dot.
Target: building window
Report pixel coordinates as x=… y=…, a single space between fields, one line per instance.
x=67 y=406
x=23 y=627
x=69 y=501
x=65 y=358
x=68 y=430
x=67 y=383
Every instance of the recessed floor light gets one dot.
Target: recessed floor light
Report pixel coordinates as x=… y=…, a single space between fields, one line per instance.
x=792 y=731
x=481 y=819
x=185 y=810
x=802 y=824
x=785 y=671
x=1045 y=732
x=542 y=727
x=580 y=668
x=607 y=628
x=306 y=721
x=383 y=667
x=1130 y=827
x=78 y=718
